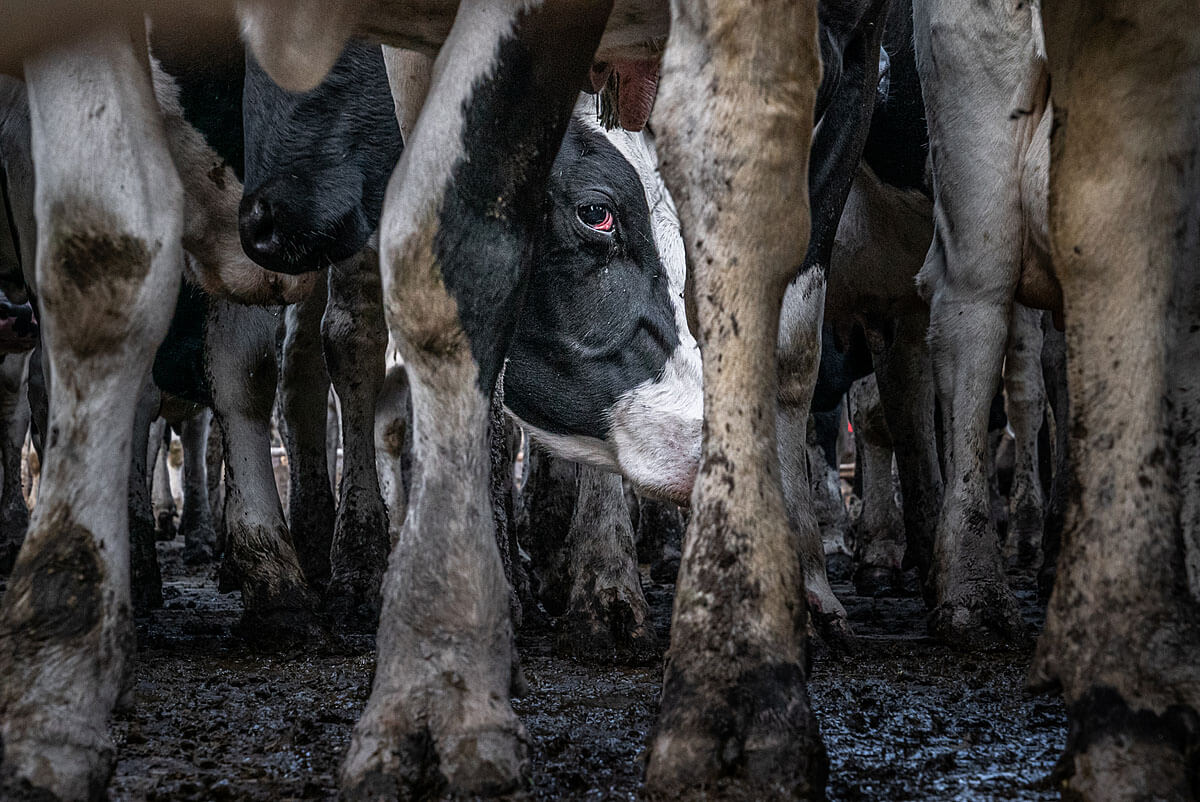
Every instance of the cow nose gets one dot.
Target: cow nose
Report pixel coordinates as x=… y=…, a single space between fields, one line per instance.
x=256 y=224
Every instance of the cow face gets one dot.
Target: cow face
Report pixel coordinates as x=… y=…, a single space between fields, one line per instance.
x=602 y=367
x=317 y=163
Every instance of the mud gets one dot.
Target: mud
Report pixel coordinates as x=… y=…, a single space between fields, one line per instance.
x=214 y=717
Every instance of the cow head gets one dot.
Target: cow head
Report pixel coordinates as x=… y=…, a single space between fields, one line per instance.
x=602 y=367
x=317 y=163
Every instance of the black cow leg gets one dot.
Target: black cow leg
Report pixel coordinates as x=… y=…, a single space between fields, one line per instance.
x=355 y=341
x=303 y=397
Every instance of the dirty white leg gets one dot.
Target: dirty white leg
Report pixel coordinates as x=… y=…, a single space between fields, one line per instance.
x=108 y=265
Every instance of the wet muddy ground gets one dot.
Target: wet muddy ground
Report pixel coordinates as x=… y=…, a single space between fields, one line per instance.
x=904 y=718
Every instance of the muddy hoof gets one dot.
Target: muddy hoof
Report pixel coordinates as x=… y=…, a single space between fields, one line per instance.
x=978 y=615
x=195 y=554
x=70 y=760
x=834 y=631
x=877 y=581
x=759 y=737
x=665 y=571
x=610 y=632
x=350 y=614
x=480 y=762
x=164 y=526
x=1045 y=580
x=283 y=628
x=839 y=567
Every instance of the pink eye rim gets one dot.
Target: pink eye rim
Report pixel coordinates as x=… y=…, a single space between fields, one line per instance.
x=596 y=216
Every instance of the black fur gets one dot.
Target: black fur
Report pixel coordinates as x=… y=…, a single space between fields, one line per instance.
x=317 y=163
x=598 y=320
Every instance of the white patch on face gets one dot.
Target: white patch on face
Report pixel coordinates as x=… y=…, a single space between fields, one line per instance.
x=656 y=426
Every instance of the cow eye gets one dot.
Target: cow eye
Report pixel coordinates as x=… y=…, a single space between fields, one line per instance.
x=596 y=216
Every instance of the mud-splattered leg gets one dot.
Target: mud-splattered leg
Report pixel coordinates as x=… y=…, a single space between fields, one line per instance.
x=195 y=521
x=240 y=353
x=607 y=618
x=904 y=374
x=355 y=341
x=303 y=395
x=977 y=130
x=1123 y=626
x=1054 y=376
x=880 y=540
x=439 y=715
x=1025 y=403
x=734 y=699
x=393 y=447
x=108 y=263
x=799 y=357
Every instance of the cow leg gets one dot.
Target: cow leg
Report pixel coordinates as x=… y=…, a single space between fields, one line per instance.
x=904 y=374
x=107 y=259
x=14 y=412
x=1123 y=626
x=304 y=392
x=163 y=501
x=195 y=521
x=734 y=698
x=1025 y=404
x=393 y=446
x=607 y=618
x=880 y=540
x=799 y=358
x=548 y=501
x=355 y=341
x=454 y=236
x=660 y=528
x=1054 y=377
x=146 y=577
x=240 y=350
x=976 y=138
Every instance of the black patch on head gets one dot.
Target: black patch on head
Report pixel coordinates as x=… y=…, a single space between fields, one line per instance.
x=179 y=361
x=320 y=160
x=495 y=201
x=598 y=319
x=210 y=86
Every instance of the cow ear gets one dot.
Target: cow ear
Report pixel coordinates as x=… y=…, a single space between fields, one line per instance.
x=297 y=41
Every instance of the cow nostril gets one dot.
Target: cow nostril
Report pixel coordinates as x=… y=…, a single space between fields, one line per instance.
x=258 y=226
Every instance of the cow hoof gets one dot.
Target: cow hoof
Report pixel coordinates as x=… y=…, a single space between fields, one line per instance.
x=977 y=614
x=72 y=762
x=1126 y=765
x=759 y=736
x=350 y=614
x=164 y=526
x=666 y=570
x=485 y=761
x=611 y=627
x=197 y=553
x=839 y=567
x=877 y=581
x=282 y=628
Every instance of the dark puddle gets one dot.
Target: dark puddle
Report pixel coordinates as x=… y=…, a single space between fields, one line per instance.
x=903 y=718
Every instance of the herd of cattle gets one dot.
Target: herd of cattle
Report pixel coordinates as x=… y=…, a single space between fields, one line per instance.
x=943 y=210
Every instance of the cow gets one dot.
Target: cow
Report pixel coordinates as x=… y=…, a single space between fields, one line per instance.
x=439 y=714
x=581 y=334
